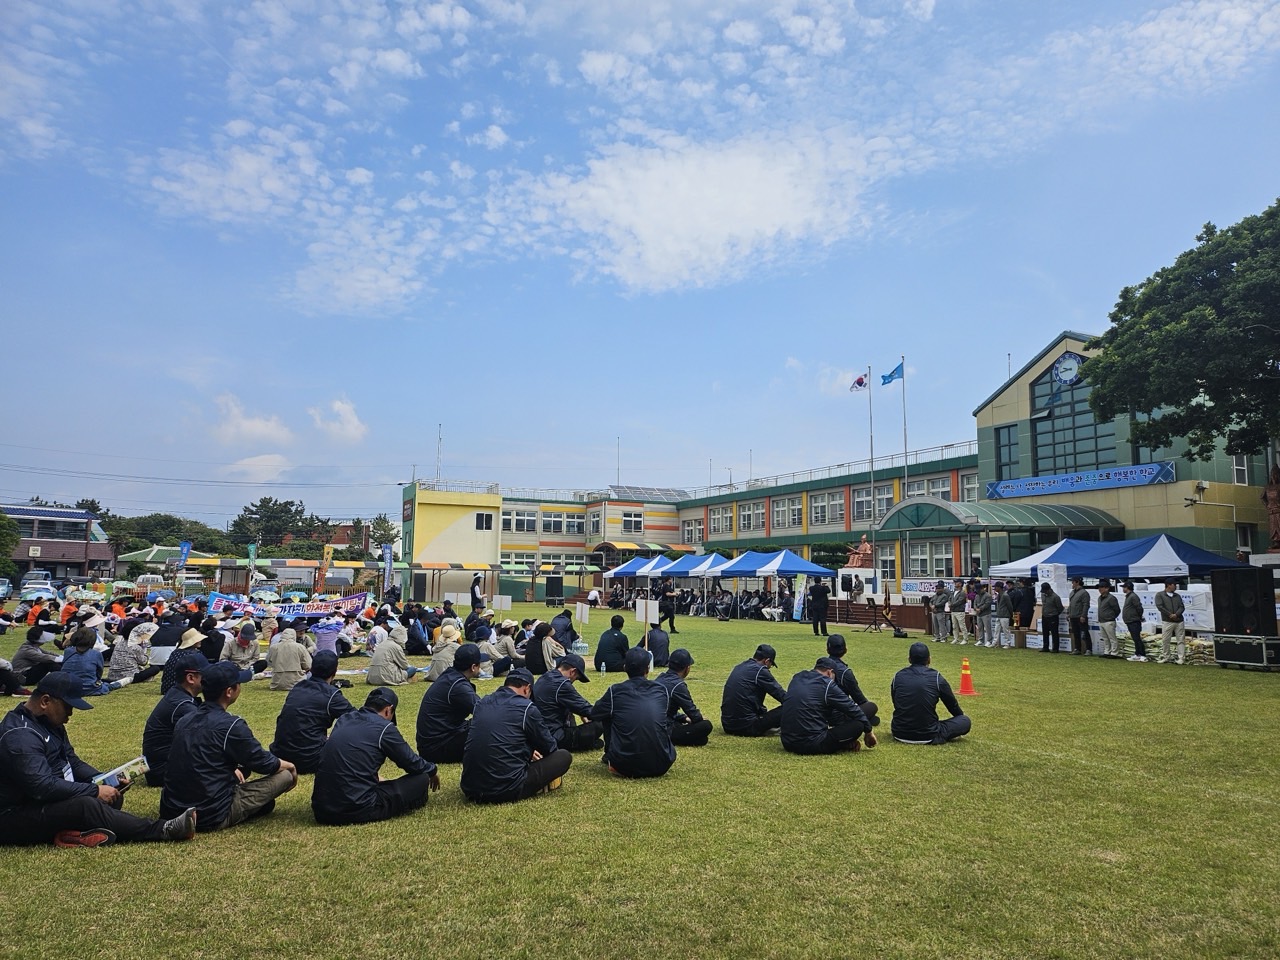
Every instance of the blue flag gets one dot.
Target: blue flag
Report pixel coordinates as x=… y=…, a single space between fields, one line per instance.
x=892 y=375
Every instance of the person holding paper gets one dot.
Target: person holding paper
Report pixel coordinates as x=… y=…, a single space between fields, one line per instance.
x=47 y=793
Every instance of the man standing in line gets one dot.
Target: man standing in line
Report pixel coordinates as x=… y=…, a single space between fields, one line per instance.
x=47 y=792
x=1132 y=616
x=959 y=599
x=635 y=717
x=938 y=604
x=819 y=595
x=1078 y=618
x=688 y=727
x=559 y=702
x=916 y=690
x=818 y=717
x=211 y=750
x=1172 y=615
x=1108 y=611
x=1004 y=617
x=1050 y=611
x=510 y=753
x=982 y=616
x=348 y=787
x=742 y=711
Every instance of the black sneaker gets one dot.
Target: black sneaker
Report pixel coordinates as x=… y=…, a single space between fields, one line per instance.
x=182 y=827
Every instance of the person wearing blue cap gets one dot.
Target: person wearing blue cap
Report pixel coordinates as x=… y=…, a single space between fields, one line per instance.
x=818 y=717
x=916 y=690
x=309 y=711
x=348 y=788
x=636 y=717
x=47 y=793
x=180 y=700
x=510 y=753
x=211 y=750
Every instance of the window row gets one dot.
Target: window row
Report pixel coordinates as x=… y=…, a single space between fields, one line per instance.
x=553 y=521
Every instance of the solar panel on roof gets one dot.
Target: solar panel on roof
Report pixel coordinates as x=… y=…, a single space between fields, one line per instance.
x=650 y=494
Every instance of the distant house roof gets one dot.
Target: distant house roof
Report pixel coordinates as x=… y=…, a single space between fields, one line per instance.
x=158 y=554
x=26 y=511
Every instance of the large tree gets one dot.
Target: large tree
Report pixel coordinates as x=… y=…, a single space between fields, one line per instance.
x=1194 y=350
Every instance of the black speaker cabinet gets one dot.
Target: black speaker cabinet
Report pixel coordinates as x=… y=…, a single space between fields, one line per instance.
x=555 y=586
x=1242 y=652
x=846 y=583
x=1244 y=601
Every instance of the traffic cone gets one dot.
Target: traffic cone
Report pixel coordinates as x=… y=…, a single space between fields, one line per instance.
x=966 y=680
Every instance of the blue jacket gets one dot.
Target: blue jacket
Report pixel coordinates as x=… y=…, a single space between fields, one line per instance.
x=637 y=727
x=744 y=693
x=303 y=725
x=505 y=730
x=38 y=764
x=208 y=745
x=444 y=710
x=157 y=735
x=813 y=706
x=559 y=701
x=346 y=783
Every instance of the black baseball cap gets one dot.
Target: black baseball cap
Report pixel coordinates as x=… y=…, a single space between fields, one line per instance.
x=636 y=662
x=519 y=677
x=381 y=697
x=826 y=663
x=766 y=652
x=64 y=687
x=575 y=661
x=466 y=656
x=219 y=677
x=680 y=659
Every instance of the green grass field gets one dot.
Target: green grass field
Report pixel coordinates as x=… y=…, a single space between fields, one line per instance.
x=1098 y=809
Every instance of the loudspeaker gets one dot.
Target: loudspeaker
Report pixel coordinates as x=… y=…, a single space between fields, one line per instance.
x=1244 y=601
x=846 y=583
x=555 y=586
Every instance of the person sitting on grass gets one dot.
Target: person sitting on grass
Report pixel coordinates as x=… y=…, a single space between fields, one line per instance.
x=131 y=656
x=348 y=788
x=444 y=652
x=612 y=647
x=33 y=658
x=85 y=663
x=289 y=659
x=658 y=642
x=178 y=701
x=688 y=727
x=819 y=717
x=837 y=650
x=742 y=711
x=445 y=711
x=211 y=750
x=47 y=792
x=308 y=712
x=390 y=666
x=560 y=703
x=243 y=650
x=635 y=716
x=916 y=690
x=510 y=753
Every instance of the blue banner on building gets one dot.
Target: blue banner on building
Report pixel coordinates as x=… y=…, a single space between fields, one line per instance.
x=1141 y=475
x=386 y=567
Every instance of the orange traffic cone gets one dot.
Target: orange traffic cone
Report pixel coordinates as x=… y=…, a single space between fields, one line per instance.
x=966 y=680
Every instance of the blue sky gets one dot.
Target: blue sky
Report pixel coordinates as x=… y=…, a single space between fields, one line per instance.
x=279 y=242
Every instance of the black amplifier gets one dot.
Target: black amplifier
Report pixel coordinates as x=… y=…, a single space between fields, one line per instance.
x=1243 y=650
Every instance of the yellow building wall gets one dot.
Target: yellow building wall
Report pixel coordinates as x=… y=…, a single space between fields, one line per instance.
x=444 y=527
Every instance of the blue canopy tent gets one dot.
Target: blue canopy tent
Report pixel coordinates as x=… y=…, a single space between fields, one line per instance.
x=1156 y=556
x=629 y=568
x=743 y=566
x=784 y=563
x=682 y=567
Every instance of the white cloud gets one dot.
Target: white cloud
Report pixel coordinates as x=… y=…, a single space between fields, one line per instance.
x=260 y=469
x=345 y=426
x=493 y=138
x=234 y=427
x=793 y=364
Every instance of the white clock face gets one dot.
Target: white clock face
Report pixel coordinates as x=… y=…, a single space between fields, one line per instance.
x=1067 y=369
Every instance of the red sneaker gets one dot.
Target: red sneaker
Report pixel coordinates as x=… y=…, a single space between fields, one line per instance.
x=97 y=837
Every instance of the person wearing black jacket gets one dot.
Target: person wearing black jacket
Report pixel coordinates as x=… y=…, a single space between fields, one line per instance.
x=445 y=711
x=309 y=710
x=172 y=627
x=688 y=727
x=1132 y=616
x=742 y=711
x=613 y=646
x=559 y=702
x=819 y=596
x=566 y=636
x=47 y=792
x=837 y=649
x=210 y=746
x=635 y=715
x=658 y=643
x=178 y=701
x=347 y=787
x=510 y=753
x=819 y=717
x=916 y=690
x=1025 y=603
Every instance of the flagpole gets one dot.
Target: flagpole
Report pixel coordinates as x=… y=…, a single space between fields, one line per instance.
x=906 y=558
x=871 y=434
